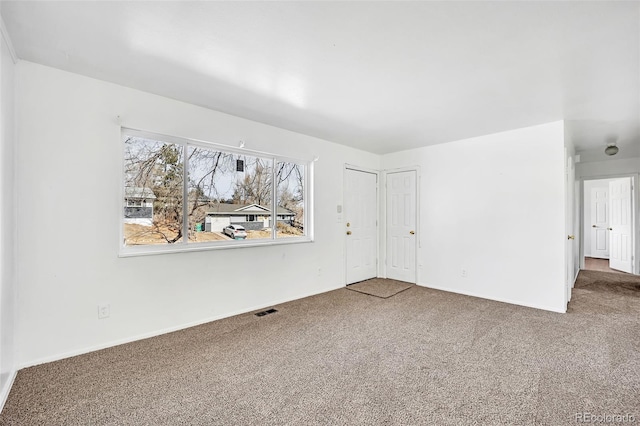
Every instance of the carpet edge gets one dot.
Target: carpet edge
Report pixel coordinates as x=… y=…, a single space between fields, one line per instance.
x=495 y=299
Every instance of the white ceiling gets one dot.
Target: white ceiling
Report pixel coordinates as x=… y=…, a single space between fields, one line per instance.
x=380 y=76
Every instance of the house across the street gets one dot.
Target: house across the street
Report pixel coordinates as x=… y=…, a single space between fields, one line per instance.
x=138 y=207
x=251 y=216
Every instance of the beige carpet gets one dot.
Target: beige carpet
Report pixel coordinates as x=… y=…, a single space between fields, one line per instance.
x=610 y=282
x=380 y=287
x=420 y=357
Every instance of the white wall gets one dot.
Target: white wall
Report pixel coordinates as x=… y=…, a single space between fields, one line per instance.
x=69 y=153
x=7 y=221
x=493 y=205
x=603 y=169
x=589 y=185
x=627 y=151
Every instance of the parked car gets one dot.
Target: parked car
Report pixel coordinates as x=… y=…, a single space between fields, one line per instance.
x=236 y=232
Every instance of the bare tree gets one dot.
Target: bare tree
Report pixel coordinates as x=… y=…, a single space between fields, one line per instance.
x=158 y=166
x=205 y=166
x=255 y=187
x=290 y=178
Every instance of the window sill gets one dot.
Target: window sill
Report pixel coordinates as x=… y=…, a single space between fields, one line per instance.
x=150 y=250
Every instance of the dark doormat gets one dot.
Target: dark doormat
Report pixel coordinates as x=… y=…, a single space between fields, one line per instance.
x=380 y=287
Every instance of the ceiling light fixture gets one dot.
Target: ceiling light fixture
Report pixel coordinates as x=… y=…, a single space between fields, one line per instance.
x=611 y=149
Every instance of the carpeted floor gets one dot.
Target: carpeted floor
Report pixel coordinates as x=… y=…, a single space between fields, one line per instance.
x=420 y=357
x=610 y=283
x=380 y=287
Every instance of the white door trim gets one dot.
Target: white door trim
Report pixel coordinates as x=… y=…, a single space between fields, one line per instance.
x=569 y=226
x=635 y=219
x=383 y=218
x=348 y=166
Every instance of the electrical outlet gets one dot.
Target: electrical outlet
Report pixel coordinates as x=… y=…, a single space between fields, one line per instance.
x=463 y=273
x=104 y=310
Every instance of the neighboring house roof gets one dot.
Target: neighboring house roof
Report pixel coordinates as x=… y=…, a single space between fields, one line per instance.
x=138 y=192
x=284 y=212
x=224 y=209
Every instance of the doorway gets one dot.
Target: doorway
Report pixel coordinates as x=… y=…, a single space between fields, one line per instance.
x=608 y=242
x=361 y=224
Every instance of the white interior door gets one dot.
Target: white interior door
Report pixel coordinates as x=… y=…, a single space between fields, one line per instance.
x=620 y=237
x=401 y=226
x=600 y=223
x=361 y=225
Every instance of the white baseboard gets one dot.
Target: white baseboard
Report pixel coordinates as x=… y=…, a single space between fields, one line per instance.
x=93 y=348
x=4 y=393
x=497 y=299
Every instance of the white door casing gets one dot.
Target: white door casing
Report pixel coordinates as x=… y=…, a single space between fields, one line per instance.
x=620 y=237
x=569 y=225
x=599 y=223
x=360 y=225
x=401 y=225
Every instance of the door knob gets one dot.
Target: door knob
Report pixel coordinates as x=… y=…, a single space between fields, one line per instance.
x=412 y=232
x=610 y=229
x=348 y=232
x=571 y=237
x=593 y=226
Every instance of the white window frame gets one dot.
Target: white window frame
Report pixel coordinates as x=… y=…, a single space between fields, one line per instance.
x=185 y=245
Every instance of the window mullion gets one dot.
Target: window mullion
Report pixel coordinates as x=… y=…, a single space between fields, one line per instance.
x=274 y=199
x=185 y=194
